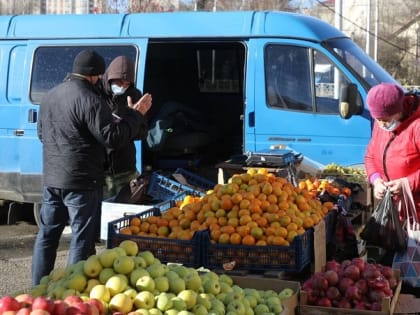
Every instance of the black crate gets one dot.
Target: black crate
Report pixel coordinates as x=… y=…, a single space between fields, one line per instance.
x=167 y=250
x=255 y=258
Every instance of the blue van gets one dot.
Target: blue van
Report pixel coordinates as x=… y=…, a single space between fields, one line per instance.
x=223 y=84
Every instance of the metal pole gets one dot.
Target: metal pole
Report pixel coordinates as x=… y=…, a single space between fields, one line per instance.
x=368 y=28
x=375 y=52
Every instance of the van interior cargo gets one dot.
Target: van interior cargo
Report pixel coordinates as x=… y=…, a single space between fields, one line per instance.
x=198 y=103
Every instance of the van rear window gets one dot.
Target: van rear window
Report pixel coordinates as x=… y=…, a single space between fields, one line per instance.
x=51 y=64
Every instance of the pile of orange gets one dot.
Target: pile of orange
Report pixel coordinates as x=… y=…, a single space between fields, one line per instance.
x=253 y=208
x=316 y=186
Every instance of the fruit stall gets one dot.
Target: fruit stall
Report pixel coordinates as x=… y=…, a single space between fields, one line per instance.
x=255 y=244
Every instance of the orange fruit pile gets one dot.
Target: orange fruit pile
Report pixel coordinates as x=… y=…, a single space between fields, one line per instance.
x=253 y=208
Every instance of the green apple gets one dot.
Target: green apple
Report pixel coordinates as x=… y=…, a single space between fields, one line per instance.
x=164 y=301
x=139 y=262
x=178 y=304
x=155 y=311
x=90 y=284
x=171 y=312
x=181 y=270
x=120 y=251
x=218 y=306
x=193 y=281
x=57 y=273
x=225 y=287
x=162 y=284
x=205 y=299
x=116 y=284
x=286 y=293
x=226 y=278
x=77 y=281
x=131 y=293
x=100 y=292
x=156 y=270
x=276 y=308
x=261 y=309
x=185 y=313
x=107 y=257
x=170 y=274
x=123 y=264
x=131 y=248
x=236 y=306
x=211 y=286
x=147 y=256
x=233 y=296
x=176 y=285
x=92 y=266
x=136 y=274
x=145 y=283
x=144 y=299
x=189 y=296
x=252 y=300
x=199 y=309
x=68 y=292
x=141 y=311
x=120 y=303
x=238 y=289
x=105 y=274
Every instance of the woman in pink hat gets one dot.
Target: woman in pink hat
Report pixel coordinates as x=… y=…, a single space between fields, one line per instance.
x=393 y=152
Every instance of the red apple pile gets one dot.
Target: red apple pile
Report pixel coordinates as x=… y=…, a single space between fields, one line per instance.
x=352 y=284
x=25 y=304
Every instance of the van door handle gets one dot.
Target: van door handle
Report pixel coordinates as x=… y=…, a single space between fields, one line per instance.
x=32 y=116
x=19 y=132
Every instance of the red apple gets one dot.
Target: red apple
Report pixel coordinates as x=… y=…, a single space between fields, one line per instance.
x=326 y=302
x=353 y=293
x=43 y=303
x=24 y=311
x=362 y=285
x=344 y=303
x=376 y=295
x=333 y=293
x=332 y=265
x=352 y=272
x=9 y=303
x=25 y=299
x=332 y=277
x=39 y=312
x=319 y=282
x=99 y=305
x=60 y=307
x=359 y=262
x=72 y=299
x=344 y=284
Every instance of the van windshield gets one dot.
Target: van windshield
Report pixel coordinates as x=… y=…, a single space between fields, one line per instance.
x=359 y=62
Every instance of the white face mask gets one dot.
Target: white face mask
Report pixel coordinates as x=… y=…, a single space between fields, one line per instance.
x=118 y=90
x=391 y=126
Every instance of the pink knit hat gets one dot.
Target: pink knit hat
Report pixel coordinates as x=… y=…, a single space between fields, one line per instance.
x=385 y=99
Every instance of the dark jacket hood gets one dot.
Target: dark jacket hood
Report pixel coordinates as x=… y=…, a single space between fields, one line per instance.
x=120 y=68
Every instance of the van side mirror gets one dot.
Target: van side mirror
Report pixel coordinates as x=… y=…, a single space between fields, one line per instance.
x=350 y=102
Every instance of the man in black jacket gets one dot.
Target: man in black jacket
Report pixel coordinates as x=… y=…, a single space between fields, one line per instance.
x=118 y=86
x=75 y=125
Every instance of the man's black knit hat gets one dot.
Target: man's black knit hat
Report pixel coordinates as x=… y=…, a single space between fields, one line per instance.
x=88 y=62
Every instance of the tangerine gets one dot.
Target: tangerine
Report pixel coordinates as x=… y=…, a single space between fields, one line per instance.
x=248 y=240
x=235 y=238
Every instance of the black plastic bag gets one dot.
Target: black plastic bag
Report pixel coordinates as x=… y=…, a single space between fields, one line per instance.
x=345 y=246
x=384 y=228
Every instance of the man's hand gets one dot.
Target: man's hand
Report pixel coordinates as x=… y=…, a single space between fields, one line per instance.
x=143 y=104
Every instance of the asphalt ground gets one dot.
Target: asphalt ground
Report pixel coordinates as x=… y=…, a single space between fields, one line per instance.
x=16 y=247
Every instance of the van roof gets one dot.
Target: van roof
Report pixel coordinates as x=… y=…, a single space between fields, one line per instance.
x=240 y=24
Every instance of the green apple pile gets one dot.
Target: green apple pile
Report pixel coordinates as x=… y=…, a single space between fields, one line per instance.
x=129 y=281
x=351 y=174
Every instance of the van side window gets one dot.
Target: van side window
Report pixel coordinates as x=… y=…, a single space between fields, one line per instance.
x=328 y=82
x=288 y=77
x=51 y=64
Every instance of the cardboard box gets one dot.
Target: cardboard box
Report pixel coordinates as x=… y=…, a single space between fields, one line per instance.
x=112 y=211
x=388 y=306
x=262 y=283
